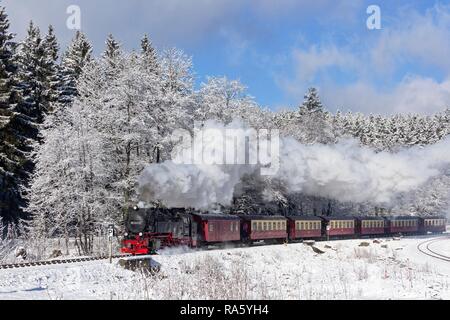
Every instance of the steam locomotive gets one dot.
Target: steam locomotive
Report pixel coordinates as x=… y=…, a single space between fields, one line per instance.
x=148 y=230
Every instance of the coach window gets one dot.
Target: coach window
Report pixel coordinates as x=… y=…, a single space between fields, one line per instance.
x=211 y=227
x=255 y=226
x=264 y=226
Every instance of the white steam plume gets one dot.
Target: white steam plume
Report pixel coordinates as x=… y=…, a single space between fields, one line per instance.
x=349 y=172
x=344 y=171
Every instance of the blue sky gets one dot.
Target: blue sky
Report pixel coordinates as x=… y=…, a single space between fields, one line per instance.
x=278 y=48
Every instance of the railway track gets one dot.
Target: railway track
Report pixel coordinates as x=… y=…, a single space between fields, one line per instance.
x=424 y=247
x=56 y=262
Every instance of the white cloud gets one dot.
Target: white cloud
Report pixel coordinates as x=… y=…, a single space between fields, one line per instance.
x=316 y=59
x=168 y=22
x=411 y=95
x=421 y=41
x=422 y=38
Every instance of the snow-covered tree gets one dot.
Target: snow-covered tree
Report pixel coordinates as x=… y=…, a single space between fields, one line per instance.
x=13 y=126
x=312 y=120
x=74 y=59
x=149 y=56
x=33 y=75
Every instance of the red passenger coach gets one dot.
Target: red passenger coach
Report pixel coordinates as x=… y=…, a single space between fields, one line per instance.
x=432 y=224
x=302 y=227
x=218 y=227
x=370 y=225
x=338 y=226
x=399 y=224
x=257 y=227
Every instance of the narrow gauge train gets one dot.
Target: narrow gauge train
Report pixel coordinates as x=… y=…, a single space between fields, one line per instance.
x=148 y=230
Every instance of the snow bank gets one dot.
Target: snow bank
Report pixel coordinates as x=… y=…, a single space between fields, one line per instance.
x=386 y=270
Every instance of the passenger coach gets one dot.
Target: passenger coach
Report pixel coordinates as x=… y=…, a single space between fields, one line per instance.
x=218 y=228
x=258 y=227
x=432 y=224
x=370 y=225
x=402 y=224
x=303 y=227
x=338 y=226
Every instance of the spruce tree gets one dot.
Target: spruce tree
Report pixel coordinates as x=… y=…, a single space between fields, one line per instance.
x=74 y=59
x=10 y=154
x=111 y=56
x=18 y=128
x=7 y=68
x=112 y=50
x=32 y=76
x=312 y=102
x=312 y=120
x=149 y=56
x=51 y=51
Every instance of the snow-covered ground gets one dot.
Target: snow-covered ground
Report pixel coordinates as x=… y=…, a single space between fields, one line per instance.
x=391 y=269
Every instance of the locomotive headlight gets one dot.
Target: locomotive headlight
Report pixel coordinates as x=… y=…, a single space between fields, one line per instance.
x=140 y=234
x=135 y=208
x=126 y=234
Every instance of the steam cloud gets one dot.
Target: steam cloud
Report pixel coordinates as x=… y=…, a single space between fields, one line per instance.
x=344 y=171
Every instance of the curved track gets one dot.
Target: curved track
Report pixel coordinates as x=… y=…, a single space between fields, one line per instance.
x=424 y=247
x=53 y=262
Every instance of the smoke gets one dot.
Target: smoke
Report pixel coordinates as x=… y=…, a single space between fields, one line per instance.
x=198 y=176
x=344 y=171
x=348 y=172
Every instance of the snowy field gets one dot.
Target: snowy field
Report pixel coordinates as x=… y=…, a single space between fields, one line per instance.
x=390 y=269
